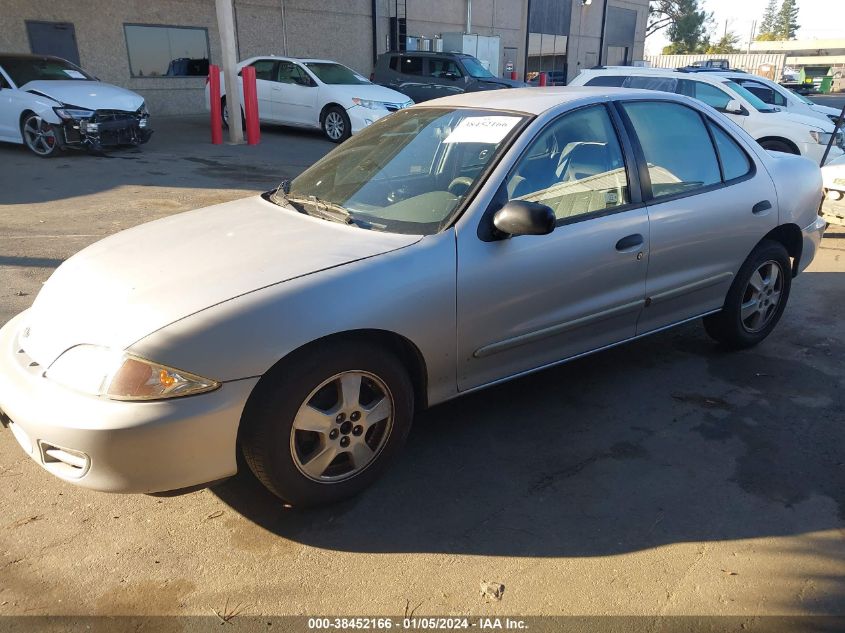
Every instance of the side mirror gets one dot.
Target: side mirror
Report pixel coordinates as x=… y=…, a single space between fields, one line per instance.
x=734 y=107
x=519 y=217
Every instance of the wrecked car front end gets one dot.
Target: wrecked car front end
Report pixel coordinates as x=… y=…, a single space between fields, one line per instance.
x=833 y=205
x=98 y=129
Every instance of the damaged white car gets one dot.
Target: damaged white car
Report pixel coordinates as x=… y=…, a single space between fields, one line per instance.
x=833 y=207
x=49 y=104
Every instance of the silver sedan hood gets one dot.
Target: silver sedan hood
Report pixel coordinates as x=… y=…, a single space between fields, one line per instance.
x=123 y=288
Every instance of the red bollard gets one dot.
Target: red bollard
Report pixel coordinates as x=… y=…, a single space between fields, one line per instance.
x=214 y=104
x=542 y=81
x=514 y=75
x=253 y=128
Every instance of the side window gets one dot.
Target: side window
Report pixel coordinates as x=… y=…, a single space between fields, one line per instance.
x=711 y=95
x=666 y=84
x=264 y=69
x=412 y=65
x=3 y=83
x=575 y=166
x=443 y=68
x=676 y=145
x=290 y=73
x=609 y=81
x=735 y=163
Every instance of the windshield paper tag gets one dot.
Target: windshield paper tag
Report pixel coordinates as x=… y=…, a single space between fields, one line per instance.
x=75 y=74
x=482 y=129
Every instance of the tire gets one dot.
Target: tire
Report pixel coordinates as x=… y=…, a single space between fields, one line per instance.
x=336 y=125
x=307 y=467
x=778 y=146
x=752 y=308
x=41 y=138
x=224 y=115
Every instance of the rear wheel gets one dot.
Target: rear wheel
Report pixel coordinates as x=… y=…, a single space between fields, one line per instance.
x=322 y=425
x=756 y=299
x=41 y=137
x=224 y=114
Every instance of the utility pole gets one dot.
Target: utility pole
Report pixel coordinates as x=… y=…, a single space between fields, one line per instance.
x=229 y=57
x=751 y=37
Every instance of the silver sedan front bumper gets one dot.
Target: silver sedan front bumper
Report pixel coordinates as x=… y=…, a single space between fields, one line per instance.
x=117 y=446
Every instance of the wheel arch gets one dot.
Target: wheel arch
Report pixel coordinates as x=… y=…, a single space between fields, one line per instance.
x=792 y=239
x=331 y=104
x=407 y=352
x=780 y=139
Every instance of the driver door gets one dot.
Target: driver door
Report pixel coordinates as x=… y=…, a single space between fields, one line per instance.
x=296 y=95
x=528 y=301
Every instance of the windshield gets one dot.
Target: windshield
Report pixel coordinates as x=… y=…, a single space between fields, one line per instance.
x=22 y=70
x=750 y=97
x=475 y=68
x=335 y=74
x=409 y=172
x=802 y=98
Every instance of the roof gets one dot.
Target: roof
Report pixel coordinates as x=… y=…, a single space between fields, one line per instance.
x=539 y=100
x=285 y=58
x=427 y=53
x=716 y=76
x=28 y=56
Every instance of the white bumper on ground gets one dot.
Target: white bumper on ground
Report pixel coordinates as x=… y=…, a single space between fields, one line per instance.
x=118 y=446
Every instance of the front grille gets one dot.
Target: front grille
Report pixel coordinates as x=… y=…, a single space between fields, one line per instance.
x=103 y=116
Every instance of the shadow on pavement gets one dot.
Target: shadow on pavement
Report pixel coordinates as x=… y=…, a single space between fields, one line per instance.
x=665 y=440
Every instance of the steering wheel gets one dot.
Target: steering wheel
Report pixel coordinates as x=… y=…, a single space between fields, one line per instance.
x=460 y=185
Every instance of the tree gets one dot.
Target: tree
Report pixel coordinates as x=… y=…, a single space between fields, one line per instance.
x=767 y=24
x=688 y=30
x=667 y=13
x=786 y=25
x=726 y=44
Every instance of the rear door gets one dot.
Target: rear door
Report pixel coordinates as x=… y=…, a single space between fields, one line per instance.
x=709 y=203
x=265 y=86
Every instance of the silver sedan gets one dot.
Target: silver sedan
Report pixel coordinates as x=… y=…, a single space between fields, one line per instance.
x=449 y=247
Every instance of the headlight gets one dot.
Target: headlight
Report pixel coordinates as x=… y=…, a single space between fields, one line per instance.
x=366 y=103
x=142 y=111
x=70 y=112
x=823 y=138
x=100 y=371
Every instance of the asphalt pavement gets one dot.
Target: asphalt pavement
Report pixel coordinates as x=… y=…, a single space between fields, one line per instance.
x=659 y=478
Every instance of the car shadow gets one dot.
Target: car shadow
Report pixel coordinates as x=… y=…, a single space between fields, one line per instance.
x=669 y=439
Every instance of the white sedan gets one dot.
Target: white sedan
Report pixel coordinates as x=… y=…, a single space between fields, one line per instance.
x=49 y=104
x=316 y=93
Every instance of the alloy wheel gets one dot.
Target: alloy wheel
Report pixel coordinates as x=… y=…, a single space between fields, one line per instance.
x=334 y=125
x=39 y=136
x=762 y=296
x=342 y=426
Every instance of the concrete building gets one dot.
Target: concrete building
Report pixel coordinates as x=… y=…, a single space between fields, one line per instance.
x=161 y=48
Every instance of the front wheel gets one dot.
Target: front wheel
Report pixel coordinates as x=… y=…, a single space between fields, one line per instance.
x=756 y=299
x=336 y=125
x=775 y=145
x=322 y=426
x=40 y=137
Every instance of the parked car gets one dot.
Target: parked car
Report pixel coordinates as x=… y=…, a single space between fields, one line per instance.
x=423 y=76
x=776 y=95
x=774 y=129
x=444 y=249
x=315 y=93
x=50 y=104
x=833 y=207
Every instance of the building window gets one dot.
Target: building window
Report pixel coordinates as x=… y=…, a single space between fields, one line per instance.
x=166 y=51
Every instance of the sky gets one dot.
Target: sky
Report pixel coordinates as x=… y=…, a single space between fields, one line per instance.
x=815 y=17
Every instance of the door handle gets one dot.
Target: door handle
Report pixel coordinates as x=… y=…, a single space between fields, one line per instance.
x=629 y=243
x=761 y=207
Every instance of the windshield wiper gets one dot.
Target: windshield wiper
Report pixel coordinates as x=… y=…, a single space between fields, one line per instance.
x=324 y=209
